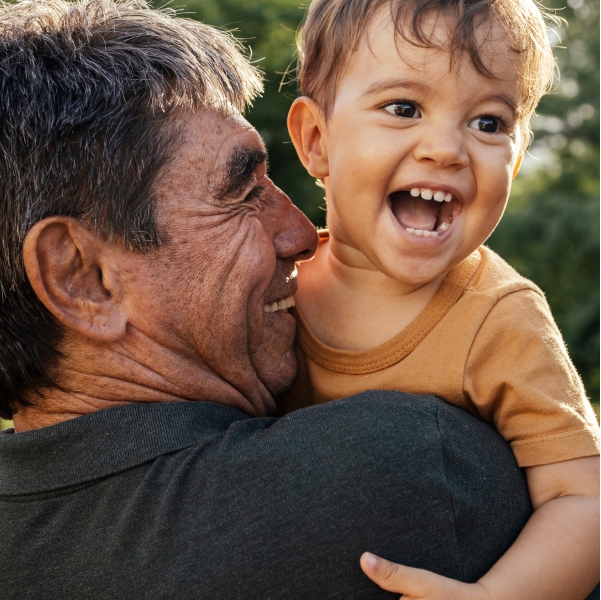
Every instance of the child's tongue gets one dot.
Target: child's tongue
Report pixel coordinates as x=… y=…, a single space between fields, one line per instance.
x=414 y=212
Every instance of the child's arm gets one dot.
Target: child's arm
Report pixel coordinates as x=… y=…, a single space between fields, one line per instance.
x=556 y=556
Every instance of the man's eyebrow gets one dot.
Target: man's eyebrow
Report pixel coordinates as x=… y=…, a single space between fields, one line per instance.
x=239 y=170
x=391 y=84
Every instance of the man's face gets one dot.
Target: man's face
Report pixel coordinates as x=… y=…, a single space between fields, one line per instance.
x=233 y=239
x=420 y=154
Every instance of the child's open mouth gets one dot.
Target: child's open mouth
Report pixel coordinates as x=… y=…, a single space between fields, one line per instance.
x=424 y=212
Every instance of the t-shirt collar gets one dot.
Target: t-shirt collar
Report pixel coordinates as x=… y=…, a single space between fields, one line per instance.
x=104 y=442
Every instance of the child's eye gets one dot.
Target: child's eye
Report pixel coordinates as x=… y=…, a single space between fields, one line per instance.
x=403 y=109
x=487 y=124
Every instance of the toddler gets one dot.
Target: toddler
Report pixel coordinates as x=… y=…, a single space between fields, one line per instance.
x=414 y=118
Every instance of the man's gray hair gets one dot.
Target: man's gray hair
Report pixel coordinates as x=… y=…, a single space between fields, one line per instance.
x=87 y=90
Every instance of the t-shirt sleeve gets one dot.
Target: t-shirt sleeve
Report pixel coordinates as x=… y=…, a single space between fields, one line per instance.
x=520 y=378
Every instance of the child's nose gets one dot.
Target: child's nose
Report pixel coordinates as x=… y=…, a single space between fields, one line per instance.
x=442 y=145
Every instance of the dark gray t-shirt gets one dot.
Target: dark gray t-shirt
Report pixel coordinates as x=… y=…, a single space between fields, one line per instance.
x=197 y=500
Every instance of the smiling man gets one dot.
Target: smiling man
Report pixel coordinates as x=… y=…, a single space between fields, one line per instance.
x=146 y=268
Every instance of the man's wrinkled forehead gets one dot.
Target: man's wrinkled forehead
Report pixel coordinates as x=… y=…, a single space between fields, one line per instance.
x=222 y=150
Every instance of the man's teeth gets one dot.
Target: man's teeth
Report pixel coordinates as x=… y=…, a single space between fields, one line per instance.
x=428 y=194
x=283 y=304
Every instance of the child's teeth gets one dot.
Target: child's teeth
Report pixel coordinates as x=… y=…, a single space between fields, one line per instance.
x=428 y=194
x=421 y=232
x=443 y=226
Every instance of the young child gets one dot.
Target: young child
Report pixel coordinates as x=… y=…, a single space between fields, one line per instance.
x=414 y=117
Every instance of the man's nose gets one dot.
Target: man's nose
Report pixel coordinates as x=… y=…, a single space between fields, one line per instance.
x=442 y=145
x=294 y=236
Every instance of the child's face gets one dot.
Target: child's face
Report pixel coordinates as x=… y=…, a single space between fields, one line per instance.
x=407 y=134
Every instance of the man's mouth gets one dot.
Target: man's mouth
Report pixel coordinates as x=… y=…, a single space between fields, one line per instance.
x=279 y=305
x=424 y=212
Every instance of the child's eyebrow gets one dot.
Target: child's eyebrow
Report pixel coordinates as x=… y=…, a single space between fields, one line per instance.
x=505 y=99
x=392 y=83
x=406 y=84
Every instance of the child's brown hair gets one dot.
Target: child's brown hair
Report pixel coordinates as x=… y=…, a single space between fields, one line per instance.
x=333 y=29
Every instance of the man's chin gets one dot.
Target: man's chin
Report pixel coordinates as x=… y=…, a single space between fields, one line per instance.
x=278 y=380
x=275 y=360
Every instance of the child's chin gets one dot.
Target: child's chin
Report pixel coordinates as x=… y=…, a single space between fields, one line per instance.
x=417 y=266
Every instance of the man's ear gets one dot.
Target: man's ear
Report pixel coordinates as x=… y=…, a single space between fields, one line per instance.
x=517 y=166
x=305 y=125
x=73 y=279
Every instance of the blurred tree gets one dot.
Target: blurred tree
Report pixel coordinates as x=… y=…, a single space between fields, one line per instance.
x=550 y=232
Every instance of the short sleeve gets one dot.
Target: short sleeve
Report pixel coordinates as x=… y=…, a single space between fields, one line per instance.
x=520 y=378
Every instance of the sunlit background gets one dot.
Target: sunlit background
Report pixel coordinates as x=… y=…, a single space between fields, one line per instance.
x=550 y=232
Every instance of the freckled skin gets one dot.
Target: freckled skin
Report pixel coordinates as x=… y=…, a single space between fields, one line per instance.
x=184 y=321
x=223 y=261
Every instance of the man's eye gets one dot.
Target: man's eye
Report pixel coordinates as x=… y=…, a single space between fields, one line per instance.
x=403 y=109
x=487 y=124
x=254 y=193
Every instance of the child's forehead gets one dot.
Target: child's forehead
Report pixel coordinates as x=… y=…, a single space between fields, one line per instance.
x=435 y=54
x=501 y=39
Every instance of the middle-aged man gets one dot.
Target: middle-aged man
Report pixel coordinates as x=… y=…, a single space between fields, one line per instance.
x=143 y=250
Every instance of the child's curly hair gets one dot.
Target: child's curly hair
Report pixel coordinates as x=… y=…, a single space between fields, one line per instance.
x=333 y=29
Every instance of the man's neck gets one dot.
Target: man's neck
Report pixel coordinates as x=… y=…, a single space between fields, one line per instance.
x=104 y=376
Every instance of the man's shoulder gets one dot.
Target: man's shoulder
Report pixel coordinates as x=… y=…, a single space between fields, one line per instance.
x=233 y=506
x=409 y=437
x=377 y=426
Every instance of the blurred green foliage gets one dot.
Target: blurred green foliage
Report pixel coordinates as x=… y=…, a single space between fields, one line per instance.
x=550 y=232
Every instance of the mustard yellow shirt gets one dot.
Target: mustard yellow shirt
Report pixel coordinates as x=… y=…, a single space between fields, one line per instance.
x=487 y=342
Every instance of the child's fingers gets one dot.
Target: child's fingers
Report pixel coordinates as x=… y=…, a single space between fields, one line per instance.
x=417 y=584
x=395 y=578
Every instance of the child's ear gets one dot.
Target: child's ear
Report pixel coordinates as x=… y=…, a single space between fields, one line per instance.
x=305 y=125
x=517 y=166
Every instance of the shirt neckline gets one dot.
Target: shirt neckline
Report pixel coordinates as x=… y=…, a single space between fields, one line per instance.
x=105 y=442
x=362 y=362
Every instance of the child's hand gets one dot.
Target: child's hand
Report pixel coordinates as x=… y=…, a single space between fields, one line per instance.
x=417 y=584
